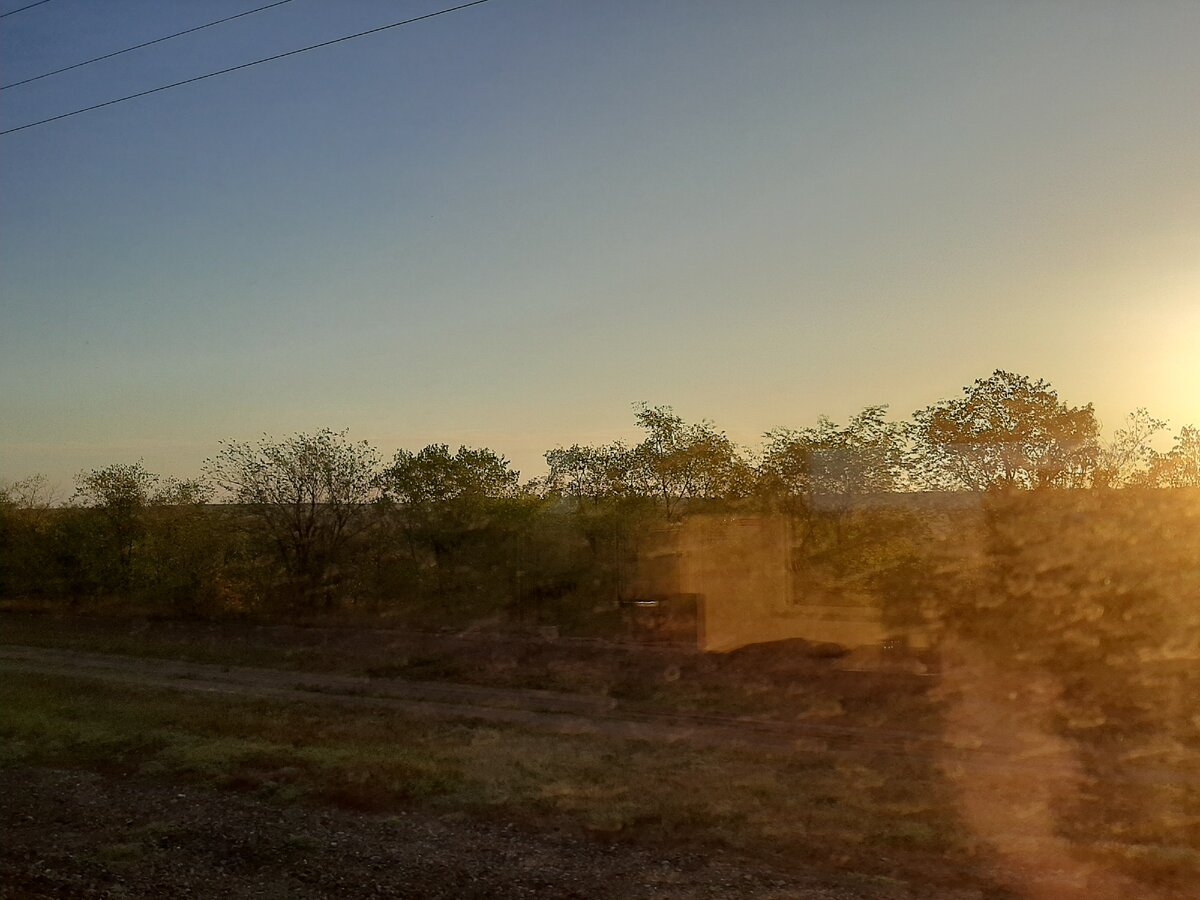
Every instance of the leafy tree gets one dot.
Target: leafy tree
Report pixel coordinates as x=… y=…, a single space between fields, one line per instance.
x=589 y=476
x=119 y=494
x=1180 y=466
x=434 y=476
x=1126 y=457
x=614 y=491
x=34 y=493
x=26 y=527
x=607 y=508
x=311 y=493
x=677 y=463
x=135 y=512
x=1096 y=588
x=1006 y=430
x=185 y=545
x=825 y=477
x=865 y=456
x=442 y=499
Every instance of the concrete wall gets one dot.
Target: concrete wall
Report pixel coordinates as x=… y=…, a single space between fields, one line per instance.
x=739 y=569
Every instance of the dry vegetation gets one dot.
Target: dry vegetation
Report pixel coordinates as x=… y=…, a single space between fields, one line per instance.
x=889 y=817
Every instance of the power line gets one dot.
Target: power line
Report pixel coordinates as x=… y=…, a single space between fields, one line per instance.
x=88 y=62
x=22 y=8
x=265 y=59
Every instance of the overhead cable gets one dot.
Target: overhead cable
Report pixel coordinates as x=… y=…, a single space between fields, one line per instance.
x=13 y=12
x=94 y=59
x=256 y=62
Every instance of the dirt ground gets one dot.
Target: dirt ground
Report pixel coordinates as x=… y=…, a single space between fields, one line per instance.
x=82 y=835
x=70 y=834
x=548 y=710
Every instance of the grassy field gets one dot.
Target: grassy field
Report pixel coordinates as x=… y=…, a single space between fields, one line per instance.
x=883 y=816
x=881 y=820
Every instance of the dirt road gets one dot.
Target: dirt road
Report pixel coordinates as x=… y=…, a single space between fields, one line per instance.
x=545 y=710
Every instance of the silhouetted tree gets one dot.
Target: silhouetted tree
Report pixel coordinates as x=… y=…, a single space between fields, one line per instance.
x=828 y=478
x=1180 y=466
x=442 y=499
x=590 y=476
x=26 y=535
x=119 y=494
x=1125 y=458
x=678 y=463
x=311 y=494
x=1006 y=430
x=865 y=456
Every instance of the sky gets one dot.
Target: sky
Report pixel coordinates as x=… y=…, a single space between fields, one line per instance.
x=505 y=225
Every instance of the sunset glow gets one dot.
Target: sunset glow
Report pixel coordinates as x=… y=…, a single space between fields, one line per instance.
x=505 y=229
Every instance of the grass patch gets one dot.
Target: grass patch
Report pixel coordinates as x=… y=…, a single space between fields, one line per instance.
x=792 y=808
x=878 y=818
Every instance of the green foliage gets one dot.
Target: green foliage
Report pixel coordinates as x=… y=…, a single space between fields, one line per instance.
x=119 y=495
x=310 y=495
x=147 y=535
x=677 y=466
x=433 y=477
x=314 y=522
x=449 y=507
x=596 y=487
x=850 y=546
x=589 y=476
x=613 y=492
x=185 y=550
x=679 y=463
x=1096 y=589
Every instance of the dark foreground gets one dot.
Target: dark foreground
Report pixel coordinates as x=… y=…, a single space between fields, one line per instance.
x=74 y=834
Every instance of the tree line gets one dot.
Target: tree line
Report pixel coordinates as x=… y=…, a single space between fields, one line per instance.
x=315 y=522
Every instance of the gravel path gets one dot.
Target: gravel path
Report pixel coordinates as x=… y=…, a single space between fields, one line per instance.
x=80 y=835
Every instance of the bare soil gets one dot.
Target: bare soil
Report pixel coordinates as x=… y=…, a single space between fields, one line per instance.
x=81 y=835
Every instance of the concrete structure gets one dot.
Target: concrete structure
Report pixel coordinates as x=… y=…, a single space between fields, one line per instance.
x=736 y=573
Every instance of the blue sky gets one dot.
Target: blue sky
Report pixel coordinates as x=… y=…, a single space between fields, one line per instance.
x=505 y=225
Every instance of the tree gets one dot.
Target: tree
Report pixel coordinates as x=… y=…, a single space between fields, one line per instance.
x=137 y=510
x=1126 y=457
x=120 y=494
x=677 y=463
x=1180 y=466
x=434 y=476
x=184 y=547
x=310 y=492
x=26 y=520
x=1006 y=430
x=821 y=477
x=865 y=456
x=34 y=494
x=442 y=499
x=589 y=476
